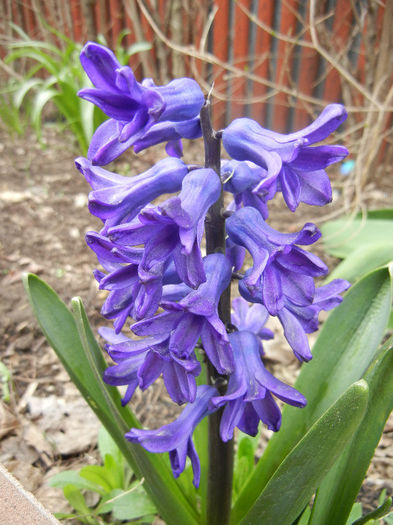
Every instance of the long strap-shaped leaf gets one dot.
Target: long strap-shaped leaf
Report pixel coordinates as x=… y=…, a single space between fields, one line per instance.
x=61 y=330
x=298 y=476
x=344 y=350
x=340 y=488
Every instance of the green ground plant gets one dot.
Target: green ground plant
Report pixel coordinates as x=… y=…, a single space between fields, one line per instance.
x=119 y=497
x=53 y=79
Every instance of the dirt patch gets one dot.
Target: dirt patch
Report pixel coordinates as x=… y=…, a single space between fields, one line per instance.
x=44 y=220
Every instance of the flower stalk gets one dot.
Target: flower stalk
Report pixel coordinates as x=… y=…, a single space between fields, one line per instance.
x=220 y=470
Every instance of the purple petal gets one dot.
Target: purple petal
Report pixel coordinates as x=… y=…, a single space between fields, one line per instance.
x=233 y=411
x=100 y=64
x=118 y=106
x=328 y=121
x=315 y=188
x=98 y=177
x=318 y=157
x=295 y=335
x=183 y=99
x=268 y=412
x=160 y=324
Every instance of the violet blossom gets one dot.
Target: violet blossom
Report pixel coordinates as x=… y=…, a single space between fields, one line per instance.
x=129 y=295
x=248 y=398
x=174 y=228
x=240 y=179
x=294 y=168
x=151 y=254
x=140 y=362
x=277 y=259
x=133 y=107
x=196 y=316
x=176 y=437
x=116 y=198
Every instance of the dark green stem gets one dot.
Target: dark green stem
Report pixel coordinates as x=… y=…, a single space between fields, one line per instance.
x=219 y=485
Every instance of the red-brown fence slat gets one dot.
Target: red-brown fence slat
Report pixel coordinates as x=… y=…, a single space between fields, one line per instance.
x=220 y=50
x=240 y=60
x=261 y=59
x=284 y=61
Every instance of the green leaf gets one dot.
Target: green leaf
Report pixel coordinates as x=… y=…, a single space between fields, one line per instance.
x=382 y=213
x=44 y=60
x=77 y=501
x=244 y=461
x=71 y=477
x=343 y=236
x=356 y=512
x=40 y=100
x=296 y=479
x=390 y=322
x=340 y=488
x=114 y=471
x=346 y=346
x=97 y=475
x=376 y=514
x=24 y=88
x=76 y=347
x=106 y=445
x=138 y=47
x=365 y=258
x=133 y=504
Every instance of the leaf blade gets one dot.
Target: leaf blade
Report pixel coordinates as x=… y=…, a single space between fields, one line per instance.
x=298 y=476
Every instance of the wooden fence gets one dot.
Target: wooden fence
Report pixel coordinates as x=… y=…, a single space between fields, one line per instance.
x=258 y=53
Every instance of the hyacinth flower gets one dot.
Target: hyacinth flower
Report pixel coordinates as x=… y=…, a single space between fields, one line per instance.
x=174 y=229
x=196 y=316
x=240 y=179
x=299 y=314
x=294 y=168
x=133 y=107
x=171 y=133
x=176 y=437
x=116 y=199
x=251 y=319
x=129 y=296
x=141 y=362
x=278 y=263
x=248 y=398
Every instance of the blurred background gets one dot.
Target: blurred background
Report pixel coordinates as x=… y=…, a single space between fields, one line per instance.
x=278 y=62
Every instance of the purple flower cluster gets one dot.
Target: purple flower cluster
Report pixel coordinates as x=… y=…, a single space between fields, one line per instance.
x=153 y=265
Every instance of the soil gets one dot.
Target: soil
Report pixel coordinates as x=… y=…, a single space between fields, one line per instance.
x=45 y=426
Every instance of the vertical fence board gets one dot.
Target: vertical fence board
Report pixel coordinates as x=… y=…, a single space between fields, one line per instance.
x=341 y=30
x=76 y=20
x=265 y=13
x=241 y=23
x=284 y=62
x=220 y=50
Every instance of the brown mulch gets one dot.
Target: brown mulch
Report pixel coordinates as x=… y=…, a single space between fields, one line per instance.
x=46 y=427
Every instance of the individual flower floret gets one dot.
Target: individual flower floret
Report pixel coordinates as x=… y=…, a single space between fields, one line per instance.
x=279 y=264
x=240 y=179
x=299 y=313
x=171 y=133
x=248 y=398
x=176 y=437
x=174 y=228
x=133 y=107
x=141 y=362
x=129 y=296
x=252 y=319
x=294 y=168
x=196 y=316
x=116 y=199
